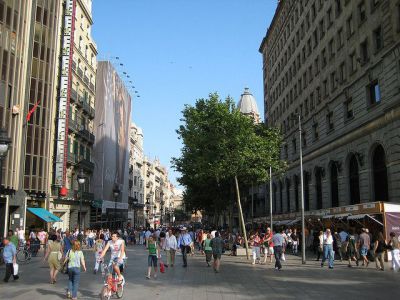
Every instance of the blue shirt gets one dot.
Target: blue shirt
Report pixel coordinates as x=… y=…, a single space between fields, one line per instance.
x=9 y=252
x=277 y=239
x=184 y=240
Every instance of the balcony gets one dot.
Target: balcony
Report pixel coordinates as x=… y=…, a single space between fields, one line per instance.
x=72 y=125
x=91 y=112
x=73 y=65
x=72 y=158
x=86 y=80
x=87 y=135
x=92 y=88
x=79 y=101
x=86 y=107
x=86 y=164
x=80 y=72
x=87 y=197
x=130 y=183
x=73 y=96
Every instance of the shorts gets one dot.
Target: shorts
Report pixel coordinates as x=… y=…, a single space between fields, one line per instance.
x=152 y=261
x=120 y=265
x=270 y=250
x=363 y=251
x=217 y=255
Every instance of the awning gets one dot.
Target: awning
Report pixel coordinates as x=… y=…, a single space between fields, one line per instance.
x=44 y=214
x=356 y=217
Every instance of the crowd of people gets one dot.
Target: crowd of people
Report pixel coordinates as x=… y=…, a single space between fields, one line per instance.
x=63 y=249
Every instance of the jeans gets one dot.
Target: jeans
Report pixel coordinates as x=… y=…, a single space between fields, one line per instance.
x=256 y=253
x=395 y=260
x=185 y=250
x=74 y=274
x=328 y=254
x=278 y=255
x=9 y=272
x=90 y=242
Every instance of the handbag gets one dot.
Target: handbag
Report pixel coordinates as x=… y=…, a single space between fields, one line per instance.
x=162 y=267
x=64 y=267
x=15 y=267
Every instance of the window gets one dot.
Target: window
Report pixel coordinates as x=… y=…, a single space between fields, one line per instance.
x=338 y=7
x=285 y=149
x=353 y=63
x=313 y=11
x=321 y=29
x=350 y=26
x=311 y=101
x=315 y=131
x=364 y=51
x=1 y=12
x=378 y=39
x=398 y=17
x=333 y=81
x=294 y=146
x=315 y=38
x=362 y=13
x=331 y=48
x=329 y=121
x=374 y=93
x=342 y=72
x=329 y=17
x=303 y=138
x=316 y=66
x=310 y=75
x=348 y=109
x=326 y=90
x=340 y=38
x=323 y=58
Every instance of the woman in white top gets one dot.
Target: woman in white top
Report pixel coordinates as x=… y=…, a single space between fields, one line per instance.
x=171 y=246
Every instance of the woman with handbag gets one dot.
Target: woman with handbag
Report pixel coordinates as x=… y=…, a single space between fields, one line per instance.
x=53 y=256
x=75 y=260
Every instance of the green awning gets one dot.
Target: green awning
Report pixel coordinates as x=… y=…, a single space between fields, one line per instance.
x=45 y=215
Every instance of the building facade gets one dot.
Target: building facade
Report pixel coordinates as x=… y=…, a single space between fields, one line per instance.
x=336 y=64
x=136 y=177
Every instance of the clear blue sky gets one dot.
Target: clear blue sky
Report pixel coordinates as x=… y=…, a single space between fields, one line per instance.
x=177 y=51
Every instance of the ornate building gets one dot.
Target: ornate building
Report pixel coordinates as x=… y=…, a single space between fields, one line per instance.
x=336 y=64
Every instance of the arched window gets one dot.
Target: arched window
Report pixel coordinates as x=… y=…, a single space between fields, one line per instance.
x=306 y=178
x=354 y=181
x=288 y=194
x=380 y=174
x=318 y=187
x=296 y=192
x=334 y=185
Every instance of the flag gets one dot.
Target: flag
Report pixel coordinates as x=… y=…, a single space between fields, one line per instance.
x=28 y=116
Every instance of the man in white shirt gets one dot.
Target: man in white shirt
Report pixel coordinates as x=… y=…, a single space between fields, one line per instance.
x=171 y=246
x=117 y=247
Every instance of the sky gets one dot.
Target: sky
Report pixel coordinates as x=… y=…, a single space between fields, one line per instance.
x=177 y=51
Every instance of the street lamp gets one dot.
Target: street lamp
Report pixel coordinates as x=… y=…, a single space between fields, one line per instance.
x=303 y=228
x=116 y=192
x=81 y=181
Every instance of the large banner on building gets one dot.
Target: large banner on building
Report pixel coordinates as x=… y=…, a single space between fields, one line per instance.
x=112 y=121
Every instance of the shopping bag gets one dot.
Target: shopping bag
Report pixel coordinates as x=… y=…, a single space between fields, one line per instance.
x=283 y=257
x=162 y=267
x=15 y=266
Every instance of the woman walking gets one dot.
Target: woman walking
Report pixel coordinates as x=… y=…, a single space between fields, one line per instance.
x=171 y=246
x=53 y=256
x=75 y=260
x=394 y=248
x=320 y=244
x=98 y=249
x=379 y=252
x=152 y=246
x=208 y=249
x=351 y=247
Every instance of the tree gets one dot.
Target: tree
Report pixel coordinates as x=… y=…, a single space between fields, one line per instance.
x=221 y=145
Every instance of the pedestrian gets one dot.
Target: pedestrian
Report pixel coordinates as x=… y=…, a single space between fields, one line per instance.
x=9 y=258
x=278 y=240
x=394 y=249
x=320 y=245
x=268 y=246
x=53 y=255
x=295 y=241
x=328 y=249
x=217 y=245
x=364 y=241
x=13 y=238
x=152 y=246
x=42 y=235
x=184 y=243
x=208 y=249
x=337 y=245
x=379 y=252
x=75 y=261
x=171 y=245
x=98 y=250
x=67 y=242
x=255 y=242
x=351 y=247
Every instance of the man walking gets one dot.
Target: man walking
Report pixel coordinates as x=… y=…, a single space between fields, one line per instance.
x=328 y=249
x=277 y=240
x=217 y=245
x=364 y=246
x=184 y=242
x=10 y=258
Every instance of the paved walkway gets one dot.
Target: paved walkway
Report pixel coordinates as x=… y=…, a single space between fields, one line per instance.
x=237 y=280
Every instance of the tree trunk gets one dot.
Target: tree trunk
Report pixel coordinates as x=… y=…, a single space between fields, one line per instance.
x=241 y=217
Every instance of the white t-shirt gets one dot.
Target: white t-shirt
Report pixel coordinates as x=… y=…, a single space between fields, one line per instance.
x=116 y=248
x=21 y=234
x=213 y=233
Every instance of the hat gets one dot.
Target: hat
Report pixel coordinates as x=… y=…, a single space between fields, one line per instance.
x=183 y=228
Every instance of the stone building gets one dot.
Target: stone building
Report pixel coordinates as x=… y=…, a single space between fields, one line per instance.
x=336 y=64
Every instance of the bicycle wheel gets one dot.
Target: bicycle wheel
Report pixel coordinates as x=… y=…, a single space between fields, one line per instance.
x=105 y=293
x=120 y=291
x=23 y=256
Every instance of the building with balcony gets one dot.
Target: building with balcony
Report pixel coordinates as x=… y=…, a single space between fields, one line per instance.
x=336 y=64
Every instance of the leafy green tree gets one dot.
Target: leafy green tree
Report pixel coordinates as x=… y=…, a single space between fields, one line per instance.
x=221 y=145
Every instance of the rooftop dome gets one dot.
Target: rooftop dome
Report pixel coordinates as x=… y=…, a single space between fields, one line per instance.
x=248 y=105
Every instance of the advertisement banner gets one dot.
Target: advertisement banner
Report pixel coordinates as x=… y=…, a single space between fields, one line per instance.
x=112 y=121
x=392 y=223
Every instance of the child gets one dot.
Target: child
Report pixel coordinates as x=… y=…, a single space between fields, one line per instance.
x=98 y=249
x=152 y=246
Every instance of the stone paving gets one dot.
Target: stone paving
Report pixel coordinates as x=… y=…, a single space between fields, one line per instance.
x=238 y=279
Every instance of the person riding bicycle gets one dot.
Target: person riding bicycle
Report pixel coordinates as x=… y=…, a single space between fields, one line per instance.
x=117 y=247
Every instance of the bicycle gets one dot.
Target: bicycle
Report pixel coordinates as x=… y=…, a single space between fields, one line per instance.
x=112 y=284
x=24 y=254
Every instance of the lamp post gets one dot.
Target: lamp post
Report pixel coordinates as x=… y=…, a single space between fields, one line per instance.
x=81 y=181
x=270 y=199
x=5 y=141
x=303 y=228
x=116 y=192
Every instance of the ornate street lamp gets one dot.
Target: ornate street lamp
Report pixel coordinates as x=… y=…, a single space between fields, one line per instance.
x=81 y=181
x=116 y=192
